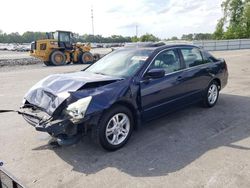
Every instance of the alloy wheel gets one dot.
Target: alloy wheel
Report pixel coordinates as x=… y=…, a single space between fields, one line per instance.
x=212 y=94
x=117 y=129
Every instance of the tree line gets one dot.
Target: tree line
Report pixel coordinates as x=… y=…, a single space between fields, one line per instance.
x=26 y=37
x=29 y=36
x=235 y=22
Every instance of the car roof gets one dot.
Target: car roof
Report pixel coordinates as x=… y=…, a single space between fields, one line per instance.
x=156 y=45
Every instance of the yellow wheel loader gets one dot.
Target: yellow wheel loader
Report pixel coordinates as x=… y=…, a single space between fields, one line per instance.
x=59 y=49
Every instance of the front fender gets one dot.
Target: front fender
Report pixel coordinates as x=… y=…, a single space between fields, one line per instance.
x=103 y=97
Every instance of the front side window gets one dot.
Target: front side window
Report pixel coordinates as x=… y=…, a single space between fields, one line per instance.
x=192 y=57
x=167 y=60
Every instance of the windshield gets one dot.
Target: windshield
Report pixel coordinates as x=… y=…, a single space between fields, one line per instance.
x=121 y=63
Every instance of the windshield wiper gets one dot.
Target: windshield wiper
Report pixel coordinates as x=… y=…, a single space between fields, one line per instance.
x=121 y=77
x=100 y=73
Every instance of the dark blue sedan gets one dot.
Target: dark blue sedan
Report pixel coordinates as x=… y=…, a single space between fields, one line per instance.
x=122 y=90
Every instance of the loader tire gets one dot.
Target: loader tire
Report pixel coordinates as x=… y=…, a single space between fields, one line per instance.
x=47 y=63
x=86 y=57
x=57 y=58
x=97 y=57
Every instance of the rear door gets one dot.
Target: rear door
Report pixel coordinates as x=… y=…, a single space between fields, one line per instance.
x=196 y=73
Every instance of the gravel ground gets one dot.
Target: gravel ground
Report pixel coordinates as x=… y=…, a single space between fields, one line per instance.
x=12 y=58
x=195 y=147
x=24 y=61
x=4 y=55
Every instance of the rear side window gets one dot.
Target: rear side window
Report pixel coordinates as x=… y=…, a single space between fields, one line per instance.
x=209 y=57
x=192 y=57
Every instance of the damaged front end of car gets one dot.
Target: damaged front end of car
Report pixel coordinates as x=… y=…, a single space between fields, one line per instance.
x=54 y=125
x=67 y=126
x=62 y=105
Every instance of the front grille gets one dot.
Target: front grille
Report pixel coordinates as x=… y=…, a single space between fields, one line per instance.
x=34 y=115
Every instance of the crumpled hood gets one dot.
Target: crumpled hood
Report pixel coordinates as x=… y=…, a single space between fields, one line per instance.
x=51 y=91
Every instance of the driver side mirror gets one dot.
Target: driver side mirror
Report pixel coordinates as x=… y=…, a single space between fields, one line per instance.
x=155 y=73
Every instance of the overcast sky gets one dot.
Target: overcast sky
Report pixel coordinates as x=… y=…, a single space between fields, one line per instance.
x=163 y=18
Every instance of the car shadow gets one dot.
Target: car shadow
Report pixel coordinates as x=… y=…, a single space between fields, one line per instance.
x=170 y=143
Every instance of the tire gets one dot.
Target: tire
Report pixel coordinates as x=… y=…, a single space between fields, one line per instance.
x=96 y=57
x=112 y=137
x=86 y=57
x=212 y=94
x=47 y=63
x=57 y=58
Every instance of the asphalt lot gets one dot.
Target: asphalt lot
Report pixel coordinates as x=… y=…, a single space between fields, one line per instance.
x=194 y=147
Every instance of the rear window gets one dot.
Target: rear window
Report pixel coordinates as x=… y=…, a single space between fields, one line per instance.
x=192 y=57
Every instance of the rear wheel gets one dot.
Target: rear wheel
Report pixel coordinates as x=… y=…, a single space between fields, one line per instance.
x=57 y=58
x=212 y=94
x=114 y=129
x=86 y=57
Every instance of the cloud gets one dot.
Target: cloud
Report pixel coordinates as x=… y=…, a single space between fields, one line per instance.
x=131 y=25
x=164 y=18
x=172 y=17
x=115 y=9
x=188 y=8
x=156 y=4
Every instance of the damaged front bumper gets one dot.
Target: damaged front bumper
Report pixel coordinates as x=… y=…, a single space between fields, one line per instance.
x=45 y=123
x=59 y=127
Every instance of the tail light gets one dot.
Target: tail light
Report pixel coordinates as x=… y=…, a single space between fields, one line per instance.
x=225 y=65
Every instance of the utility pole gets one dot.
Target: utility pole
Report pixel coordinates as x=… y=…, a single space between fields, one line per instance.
x=92 y=18
x=136 y=30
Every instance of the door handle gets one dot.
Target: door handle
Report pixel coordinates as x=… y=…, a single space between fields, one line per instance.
x=146 y=81
x=179 y=78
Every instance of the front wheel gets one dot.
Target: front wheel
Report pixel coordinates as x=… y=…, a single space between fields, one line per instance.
x=212 y=95
x=114 y=128
x=85 y=58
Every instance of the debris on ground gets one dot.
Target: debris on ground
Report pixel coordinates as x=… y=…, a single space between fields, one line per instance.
x=13 y=62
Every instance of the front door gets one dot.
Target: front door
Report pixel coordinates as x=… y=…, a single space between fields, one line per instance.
x=159 y=96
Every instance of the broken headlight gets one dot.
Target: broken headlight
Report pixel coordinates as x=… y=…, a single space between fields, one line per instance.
x=78 y=109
